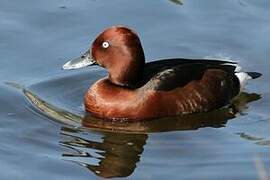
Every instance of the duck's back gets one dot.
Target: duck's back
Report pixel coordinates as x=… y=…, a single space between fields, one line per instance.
x=154 y=67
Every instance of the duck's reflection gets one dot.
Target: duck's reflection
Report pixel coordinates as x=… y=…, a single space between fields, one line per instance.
x=117 y=153
x=115 y=156
x=217 y=118
x=119 y=145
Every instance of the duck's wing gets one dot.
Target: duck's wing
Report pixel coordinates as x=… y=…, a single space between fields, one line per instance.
x=154 y=67
x=169 y=77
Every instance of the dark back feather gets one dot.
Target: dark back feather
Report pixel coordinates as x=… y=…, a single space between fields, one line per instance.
x=166 y=75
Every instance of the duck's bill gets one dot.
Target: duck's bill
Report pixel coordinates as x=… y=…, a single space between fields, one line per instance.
x=83 y=61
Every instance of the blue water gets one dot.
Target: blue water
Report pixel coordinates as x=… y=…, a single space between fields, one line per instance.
x=38 y=37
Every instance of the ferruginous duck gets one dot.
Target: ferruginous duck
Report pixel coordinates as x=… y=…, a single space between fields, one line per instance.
x=135 y=90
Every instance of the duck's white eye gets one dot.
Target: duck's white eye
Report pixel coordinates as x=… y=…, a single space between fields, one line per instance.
x=105 y=44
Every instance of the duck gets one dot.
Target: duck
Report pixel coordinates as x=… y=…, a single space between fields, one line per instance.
x=135 y=90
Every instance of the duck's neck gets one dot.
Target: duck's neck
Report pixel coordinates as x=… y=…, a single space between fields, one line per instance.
x=127 y=74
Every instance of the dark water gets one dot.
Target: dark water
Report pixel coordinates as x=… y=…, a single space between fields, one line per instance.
x=37 y=37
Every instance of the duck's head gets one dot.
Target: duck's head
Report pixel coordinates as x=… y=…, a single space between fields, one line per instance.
x=119 y=50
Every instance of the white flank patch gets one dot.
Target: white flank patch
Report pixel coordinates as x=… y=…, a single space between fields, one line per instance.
x=243 y=78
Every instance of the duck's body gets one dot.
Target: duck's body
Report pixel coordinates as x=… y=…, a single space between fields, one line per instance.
x=135 y=91
x=189 y=87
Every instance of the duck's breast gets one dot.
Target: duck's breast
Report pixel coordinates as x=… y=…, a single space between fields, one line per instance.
x=109 y=101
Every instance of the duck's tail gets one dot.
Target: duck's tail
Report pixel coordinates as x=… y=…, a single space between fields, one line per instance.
x=254 y=75
x=243 y=77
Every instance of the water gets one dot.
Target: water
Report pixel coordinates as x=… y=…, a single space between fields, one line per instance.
x=38 y=37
